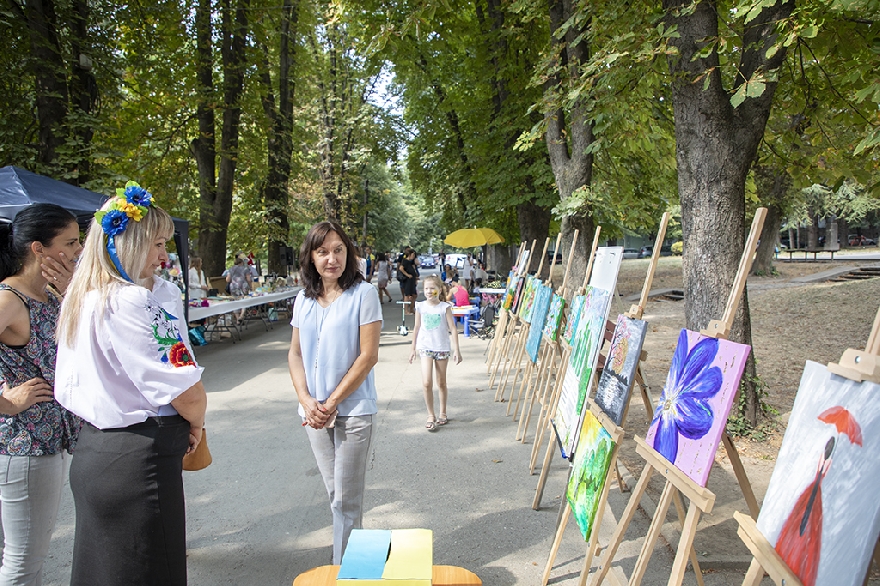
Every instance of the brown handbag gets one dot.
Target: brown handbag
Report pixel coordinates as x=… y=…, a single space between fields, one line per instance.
x=201 y=457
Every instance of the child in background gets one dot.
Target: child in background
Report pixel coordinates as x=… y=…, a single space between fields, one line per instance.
x=431 y=340
x=458 y=295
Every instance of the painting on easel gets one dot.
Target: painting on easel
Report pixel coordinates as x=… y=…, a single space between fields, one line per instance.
x=585 y=348
x=574 y=315
x=588 y=338
x=615 y=384
x=517 y=295
x=692 y=411
x=592 y=460
x=820 y=512
x=540 y=308
x=512 y=279
x=554 y=317
x=527 y=300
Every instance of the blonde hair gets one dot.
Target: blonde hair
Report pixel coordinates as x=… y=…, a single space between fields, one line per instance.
x=195 y=263
x=95 y=270
x=438 y=282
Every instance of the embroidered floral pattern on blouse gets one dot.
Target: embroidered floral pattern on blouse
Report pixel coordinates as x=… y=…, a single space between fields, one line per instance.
x=171 y=346
x=45 y=428
x=179 y=355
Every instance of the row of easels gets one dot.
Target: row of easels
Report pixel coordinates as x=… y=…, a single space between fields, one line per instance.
x=701 y=500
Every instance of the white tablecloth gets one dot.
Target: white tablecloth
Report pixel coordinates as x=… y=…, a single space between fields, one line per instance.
x=489 y=291
x=221 y=307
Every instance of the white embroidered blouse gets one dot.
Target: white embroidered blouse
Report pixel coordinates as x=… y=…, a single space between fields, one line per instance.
x=130 y=360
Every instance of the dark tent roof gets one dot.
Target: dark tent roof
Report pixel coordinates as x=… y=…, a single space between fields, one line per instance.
x=20 y=188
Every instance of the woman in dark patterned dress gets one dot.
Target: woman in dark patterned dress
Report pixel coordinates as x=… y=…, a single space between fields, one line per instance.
x=37 y=252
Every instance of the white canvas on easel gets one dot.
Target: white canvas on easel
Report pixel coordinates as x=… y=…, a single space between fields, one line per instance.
x=606 y=267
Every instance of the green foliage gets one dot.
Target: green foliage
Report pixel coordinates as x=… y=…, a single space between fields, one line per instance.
x=677 y=248
x=738 y=424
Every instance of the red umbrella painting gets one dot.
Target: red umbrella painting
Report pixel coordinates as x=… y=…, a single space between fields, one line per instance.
x=800 y=541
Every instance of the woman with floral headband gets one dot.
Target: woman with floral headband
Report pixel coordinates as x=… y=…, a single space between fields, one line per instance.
x=125 y=367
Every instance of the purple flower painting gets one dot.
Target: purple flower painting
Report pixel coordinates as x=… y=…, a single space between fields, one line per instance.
x=692 y=412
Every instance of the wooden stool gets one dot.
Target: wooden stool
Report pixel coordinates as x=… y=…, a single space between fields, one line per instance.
x=441 y=576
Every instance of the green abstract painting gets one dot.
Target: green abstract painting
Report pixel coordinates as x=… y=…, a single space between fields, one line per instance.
x=592 y=460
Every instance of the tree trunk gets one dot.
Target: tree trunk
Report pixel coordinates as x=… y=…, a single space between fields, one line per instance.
x=280 y=141
x=567 y=145
x=813 y=231
x=203 y=146
x=50 y=77
x=773 y=184
x=843 y=232
x=715 y=145
x=233 y=54
x=763 y=264
x=83 y=91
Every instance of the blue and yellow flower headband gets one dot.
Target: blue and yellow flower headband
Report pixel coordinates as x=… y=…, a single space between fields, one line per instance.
x=131 y=203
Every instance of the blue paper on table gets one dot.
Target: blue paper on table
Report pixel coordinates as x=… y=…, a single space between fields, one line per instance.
x=365 y=555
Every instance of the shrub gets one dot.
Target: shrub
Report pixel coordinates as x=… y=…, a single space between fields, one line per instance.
x=677 y=248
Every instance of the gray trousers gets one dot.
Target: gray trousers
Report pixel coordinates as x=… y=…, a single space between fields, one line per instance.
x=30 y=492
x=343 y=453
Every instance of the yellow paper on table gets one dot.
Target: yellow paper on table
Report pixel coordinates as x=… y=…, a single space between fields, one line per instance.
x=410 y=558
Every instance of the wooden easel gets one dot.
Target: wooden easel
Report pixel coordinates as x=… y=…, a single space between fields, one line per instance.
x=636 y=311
x=616 y=434
x=548 y=405
x=857 y=365
x=547 y=359
x=701 y=499
x=532 y=368
x=554 y=403
x=501 y=328
x=513 y=322
x=519 y=344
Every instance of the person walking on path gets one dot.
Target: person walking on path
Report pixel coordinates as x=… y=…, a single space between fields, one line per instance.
x=408 y=268
x=37 y=251
x=337 y=321
x=125 y=366
x=431 y=340
x=383 y=275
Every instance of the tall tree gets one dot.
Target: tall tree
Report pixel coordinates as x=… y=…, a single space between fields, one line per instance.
x=216 y=188
x=715 y=146
x=569 y=132
x=279 y=140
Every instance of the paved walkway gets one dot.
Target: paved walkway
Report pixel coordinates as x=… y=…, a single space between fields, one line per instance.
x=259 y=516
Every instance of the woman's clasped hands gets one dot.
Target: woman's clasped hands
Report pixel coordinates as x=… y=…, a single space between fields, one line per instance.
x=319 y=416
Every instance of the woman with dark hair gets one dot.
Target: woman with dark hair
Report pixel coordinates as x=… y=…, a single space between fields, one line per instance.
x=409 y=287
x=37 y=251
x=125 y=366
x=337 y=320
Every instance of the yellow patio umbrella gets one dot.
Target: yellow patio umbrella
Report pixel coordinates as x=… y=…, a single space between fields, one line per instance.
x=471 y=237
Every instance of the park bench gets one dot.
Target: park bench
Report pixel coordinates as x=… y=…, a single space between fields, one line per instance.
x=808 y=251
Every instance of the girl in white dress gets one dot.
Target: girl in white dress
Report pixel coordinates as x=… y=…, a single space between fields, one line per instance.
x=383 y=275
x=431 y=340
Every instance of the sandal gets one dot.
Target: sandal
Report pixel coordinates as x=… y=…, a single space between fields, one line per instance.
x=431 y=425
x=442 y=420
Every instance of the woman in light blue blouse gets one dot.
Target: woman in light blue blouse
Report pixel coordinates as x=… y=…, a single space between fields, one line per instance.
x=337 y=320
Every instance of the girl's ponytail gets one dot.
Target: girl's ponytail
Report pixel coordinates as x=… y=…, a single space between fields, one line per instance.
x=8 y=258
